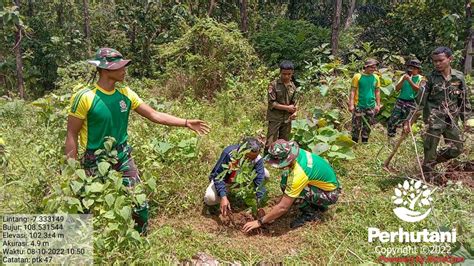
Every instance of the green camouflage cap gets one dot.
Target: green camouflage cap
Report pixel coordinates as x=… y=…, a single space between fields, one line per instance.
x=370 y=62
x=108 y=58
x=281 y=153
x=414 y=63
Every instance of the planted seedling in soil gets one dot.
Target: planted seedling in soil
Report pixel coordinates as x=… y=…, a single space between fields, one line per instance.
x=242 y=189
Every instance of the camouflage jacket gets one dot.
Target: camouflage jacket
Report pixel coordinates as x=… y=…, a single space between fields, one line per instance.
x=446 y=100
x=279 y=93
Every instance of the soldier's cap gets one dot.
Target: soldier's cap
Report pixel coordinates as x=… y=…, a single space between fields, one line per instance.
x=370 y=62
x=282 y=153
x=108 y=58
x=414 y=63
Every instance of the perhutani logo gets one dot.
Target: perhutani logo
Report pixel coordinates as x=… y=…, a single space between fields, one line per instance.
x=414 y=204
x=413 y=200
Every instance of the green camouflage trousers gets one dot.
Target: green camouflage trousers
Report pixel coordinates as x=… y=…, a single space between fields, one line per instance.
x=402 y=111
x=362 y=120
x=312 y=195
x=130 y=177
x=440 y=125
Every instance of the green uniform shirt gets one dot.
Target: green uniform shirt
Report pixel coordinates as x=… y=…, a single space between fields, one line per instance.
x=310 y=169
x=446 y=96
x=365 y=86
x=407 y=92
x=105 y=113
x=279 y=93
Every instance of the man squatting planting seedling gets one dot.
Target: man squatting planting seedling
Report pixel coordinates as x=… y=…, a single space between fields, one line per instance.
x=216 y=192
x=102 y=110
x=308 y=180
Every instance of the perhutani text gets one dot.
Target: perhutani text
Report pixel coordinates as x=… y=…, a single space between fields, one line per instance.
x=401 y=236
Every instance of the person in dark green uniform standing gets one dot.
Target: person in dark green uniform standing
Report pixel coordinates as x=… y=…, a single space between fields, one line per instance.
x=408 y=85
x=281 y=105
x=102 y=110
x=446 y=102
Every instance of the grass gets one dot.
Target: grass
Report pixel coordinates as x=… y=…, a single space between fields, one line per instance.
x=179 y=230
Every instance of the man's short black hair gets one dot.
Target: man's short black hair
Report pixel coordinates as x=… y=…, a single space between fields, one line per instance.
x=442 y=50
x=287 y=65
x=253 y=144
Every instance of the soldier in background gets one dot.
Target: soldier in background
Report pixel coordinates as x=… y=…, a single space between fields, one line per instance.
x=281 y=104
x=446 y=102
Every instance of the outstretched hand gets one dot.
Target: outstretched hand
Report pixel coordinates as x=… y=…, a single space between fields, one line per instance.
x=198 y=126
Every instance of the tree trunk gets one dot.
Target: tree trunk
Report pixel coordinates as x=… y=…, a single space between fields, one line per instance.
x=18 y=57
x=470 y=36
x=30 y=11
x=293 y=10
x=3 y=79
x=87 y=26
x=212 y=5
x=60 y=14
x=350 y=11
x=335 y=26
x=468 y=59
x=244 y=17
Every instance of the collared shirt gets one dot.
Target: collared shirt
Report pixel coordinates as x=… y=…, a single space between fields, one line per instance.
x=309 y=169
x=283 y=94
x=225 y=158
x=407 y=92
x=446 y=96
x=105 y=113
x=365 y=86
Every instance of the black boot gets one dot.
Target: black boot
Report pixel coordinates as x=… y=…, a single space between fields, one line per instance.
x=321 y=208
x=308 y=214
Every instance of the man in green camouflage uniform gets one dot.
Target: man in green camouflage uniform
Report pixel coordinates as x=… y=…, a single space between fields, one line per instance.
x=405 y=107
x=446 y=101
x=364 y=100
x=101 y=110
x=281 y=105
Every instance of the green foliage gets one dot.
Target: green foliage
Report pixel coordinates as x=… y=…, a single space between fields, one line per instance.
x=243 y=187
x=4 y=154
x=77 y=73
x=319 y=135
x=388 y=95
x=184 y=56
x=12 y=110
x=415 y=29
x=175 y=149
x=11 y=17
x=103 y=195
x=289 y=39
x=207 y=54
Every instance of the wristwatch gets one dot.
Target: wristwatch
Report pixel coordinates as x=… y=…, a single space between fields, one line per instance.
x=260 y=221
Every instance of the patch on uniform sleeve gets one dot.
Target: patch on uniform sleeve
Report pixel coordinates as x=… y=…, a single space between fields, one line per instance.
x=271 y=92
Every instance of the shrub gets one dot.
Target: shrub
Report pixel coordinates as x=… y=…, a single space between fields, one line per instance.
x=289 y=39
x=207 y=54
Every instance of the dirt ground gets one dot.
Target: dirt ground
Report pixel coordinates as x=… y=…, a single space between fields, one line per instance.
x=269 y=240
